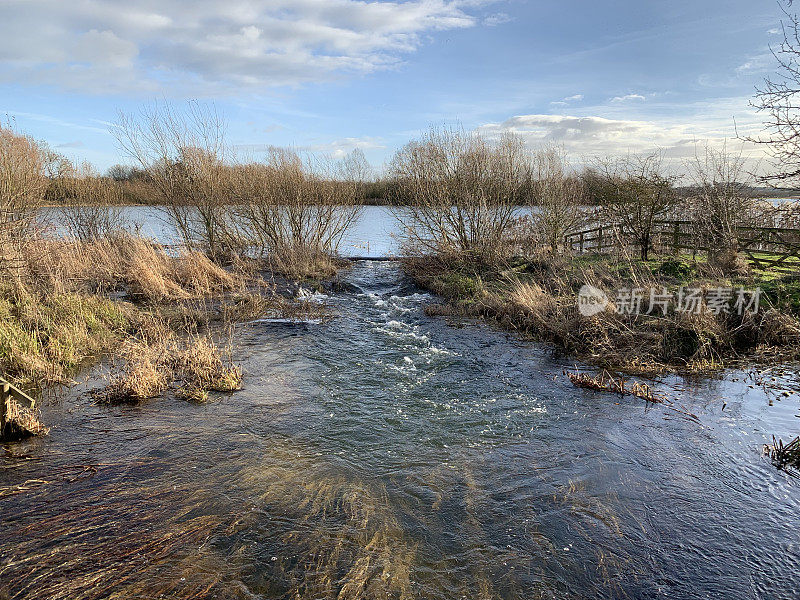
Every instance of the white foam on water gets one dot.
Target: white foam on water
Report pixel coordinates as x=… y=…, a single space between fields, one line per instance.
x=287 y=320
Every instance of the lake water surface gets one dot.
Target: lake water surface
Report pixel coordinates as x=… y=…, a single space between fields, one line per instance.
x=375 y=233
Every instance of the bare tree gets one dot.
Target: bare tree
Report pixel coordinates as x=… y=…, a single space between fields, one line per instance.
x=779 y=101
x=461 y=190
x=23 y=181
x=296 y=212
x=720 y=198
x=634 y=192
x=183 y=153
x=91 y=203
x=558 y=196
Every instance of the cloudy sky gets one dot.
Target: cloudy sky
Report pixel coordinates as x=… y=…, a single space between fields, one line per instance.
x=332 y=75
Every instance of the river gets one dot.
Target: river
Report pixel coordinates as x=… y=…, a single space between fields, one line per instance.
x=388 y=454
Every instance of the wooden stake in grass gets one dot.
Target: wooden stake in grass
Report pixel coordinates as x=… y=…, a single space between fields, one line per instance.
x=18 y=415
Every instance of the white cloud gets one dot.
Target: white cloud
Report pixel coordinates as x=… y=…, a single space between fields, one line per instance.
x=589 y=136
x=75 y=144
x=759 y=63
x=105 y=45
x=55 y=121
x=568 y=100
x=335 y=149
x=342 y=147
x=627 y=98
x=497 y=19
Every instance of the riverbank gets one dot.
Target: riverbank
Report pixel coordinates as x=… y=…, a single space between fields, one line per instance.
x=162 y=319
x=656 y=316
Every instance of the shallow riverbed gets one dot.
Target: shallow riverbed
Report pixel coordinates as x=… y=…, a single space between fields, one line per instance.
x=387 y=454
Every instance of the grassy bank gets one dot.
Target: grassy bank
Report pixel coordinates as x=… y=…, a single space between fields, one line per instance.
x=538 y=297
x=164 y=320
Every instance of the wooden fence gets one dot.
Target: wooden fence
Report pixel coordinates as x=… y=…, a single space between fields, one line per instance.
x=8 y=393
x=775 y=248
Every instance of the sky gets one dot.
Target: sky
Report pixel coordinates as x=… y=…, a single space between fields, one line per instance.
x=596 y=77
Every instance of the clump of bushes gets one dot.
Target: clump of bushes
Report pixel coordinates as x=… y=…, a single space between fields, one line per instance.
x=158 y=359
x=289 y=209
x=677 y=269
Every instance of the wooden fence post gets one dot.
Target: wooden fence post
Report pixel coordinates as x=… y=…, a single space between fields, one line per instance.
x=676 y=238
x=5 y=389
x=581 y=243
x=600 y=239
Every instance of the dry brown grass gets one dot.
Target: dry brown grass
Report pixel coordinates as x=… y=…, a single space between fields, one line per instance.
x=159 y=359
x=21 y=422
x=538 y=297
x=45 y=338
x=122 y=262
x=299 y=263
x=140 y=380
x=61 y=305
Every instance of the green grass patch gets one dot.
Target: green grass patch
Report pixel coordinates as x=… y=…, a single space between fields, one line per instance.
x=45 y=339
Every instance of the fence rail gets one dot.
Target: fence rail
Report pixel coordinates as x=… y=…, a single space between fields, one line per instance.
x=776 y=248
x=9 y=392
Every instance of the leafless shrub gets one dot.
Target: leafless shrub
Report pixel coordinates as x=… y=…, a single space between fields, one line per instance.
x=90 y=203
x=461 y=191
x=720 y=200
x=634 y=192
x=558 y=197
x=23 y=181
x=183 y=154
x=295 y=213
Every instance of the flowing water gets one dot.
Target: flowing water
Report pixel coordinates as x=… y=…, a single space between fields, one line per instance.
x=388 y=454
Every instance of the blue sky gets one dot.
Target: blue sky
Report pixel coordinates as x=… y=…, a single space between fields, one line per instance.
x=332 y=75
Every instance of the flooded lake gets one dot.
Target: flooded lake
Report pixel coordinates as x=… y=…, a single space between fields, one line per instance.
x=375 y=233
x=388 y=454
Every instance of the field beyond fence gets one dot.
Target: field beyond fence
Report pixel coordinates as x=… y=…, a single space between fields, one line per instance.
x=773 y=248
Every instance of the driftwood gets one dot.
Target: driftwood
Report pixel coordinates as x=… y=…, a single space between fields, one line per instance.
x=605 y=382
